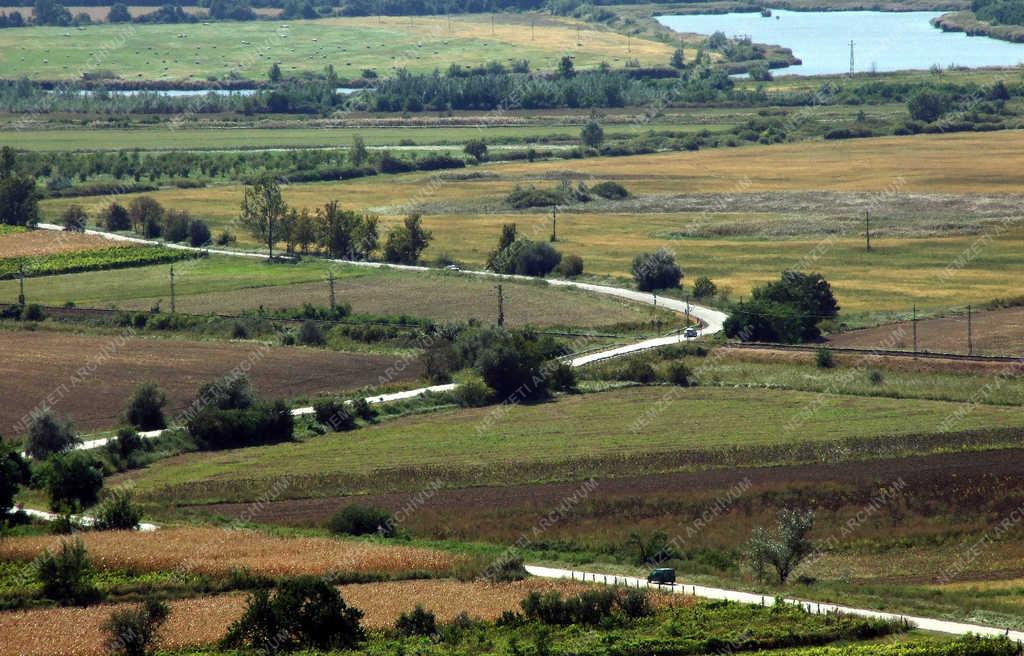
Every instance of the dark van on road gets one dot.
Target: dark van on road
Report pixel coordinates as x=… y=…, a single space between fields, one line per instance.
x=662 y=576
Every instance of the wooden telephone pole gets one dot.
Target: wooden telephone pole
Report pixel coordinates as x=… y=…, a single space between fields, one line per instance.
x=554 y=219
x=21 y=284
x=970 y=333
x=867 y=229
x=330 y=283
x=172 y=290
x=501 y=306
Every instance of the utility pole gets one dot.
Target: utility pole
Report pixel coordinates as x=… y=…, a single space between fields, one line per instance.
x=554 y=219
x=330 y=282
x=867 y=229
x=970 y=334
x=501 y=306
x=172 y=289
x=687 y=310
x=914 y=322
x=21 y=283
x=851 y=58
x=532 y=20
x=654 y=293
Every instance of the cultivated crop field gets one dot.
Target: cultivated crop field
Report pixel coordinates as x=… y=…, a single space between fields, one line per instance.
x=35 y=243
x=88 y=378
x=601 y=434
x=350 y=44
x=217 y=551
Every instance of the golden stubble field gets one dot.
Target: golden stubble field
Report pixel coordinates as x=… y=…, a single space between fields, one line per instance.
x=202 y=621
x=217 y=551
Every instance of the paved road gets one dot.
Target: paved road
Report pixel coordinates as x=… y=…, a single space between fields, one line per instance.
x=924 y=623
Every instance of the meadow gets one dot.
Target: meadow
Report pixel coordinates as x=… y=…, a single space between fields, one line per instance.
x=941 y=245
x=200 y=50
x=660 y=429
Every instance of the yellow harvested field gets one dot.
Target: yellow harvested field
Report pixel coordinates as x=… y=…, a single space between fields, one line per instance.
x=47 y=242
x=76 y=632
x=217 y=551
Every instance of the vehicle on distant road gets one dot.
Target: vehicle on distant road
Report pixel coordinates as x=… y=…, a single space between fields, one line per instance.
x=690 y=332
x=662 y=576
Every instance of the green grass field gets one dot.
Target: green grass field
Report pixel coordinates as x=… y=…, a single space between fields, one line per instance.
x=222 y=284
x=553 y=436
x=351 y=44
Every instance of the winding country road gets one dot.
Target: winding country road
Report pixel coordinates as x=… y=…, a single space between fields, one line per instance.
x=711 y=320
x=924 y=623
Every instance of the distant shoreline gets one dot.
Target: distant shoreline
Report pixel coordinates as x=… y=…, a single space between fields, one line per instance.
x=965 y=21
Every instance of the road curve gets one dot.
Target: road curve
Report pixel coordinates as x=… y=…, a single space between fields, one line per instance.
x=924 y=623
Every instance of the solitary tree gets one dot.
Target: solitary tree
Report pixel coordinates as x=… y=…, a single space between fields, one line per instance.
x=19 y=198
x=476 y=149
x=274 y=74
x=784 y=549
x=262 y=211
x=146 y=407
x=592 y=134
x=116 y=217
x=565 y=67
x=357 y=154
x=74 y=481
x=678 y=58
x=74 y=218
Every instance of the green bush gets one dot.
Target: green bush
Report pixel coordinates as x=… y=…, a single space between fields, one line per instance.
x=610 y=190
x=33 y=312
x=679 y=374
x=261 y=423
x=132 y=631
x=334 y=414
x=823 y=358
x=117 y=512
x=66 y=576
x=590 y=608
x=310 y=334
x=14 y=472
x=525 y=257
x=638 y=370
x=146 y=408
x=304 y=613
x=418 y=622
x=472 y=391
x=198 y=233
x=570 y=266
x=362 y=520
x=876 y=377
x=704 y=288
x=523 y=198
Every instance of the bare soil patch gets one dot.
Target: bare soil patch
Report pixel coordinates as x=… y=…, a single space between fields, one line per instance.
x=994 y=332
x=89 y=378
x=48 y=242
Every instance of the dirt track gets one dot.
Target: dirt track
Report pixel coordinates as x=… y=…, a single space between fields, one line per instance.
x=89 y=378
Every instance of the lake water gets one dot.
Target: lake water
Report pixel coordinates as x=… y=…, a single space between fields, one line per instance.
x=883 y=41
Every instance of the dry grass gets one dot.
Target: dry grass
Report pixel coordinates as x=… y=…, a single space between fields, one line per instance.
x=218 y=551
x=46 y=242
x=75 y=631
